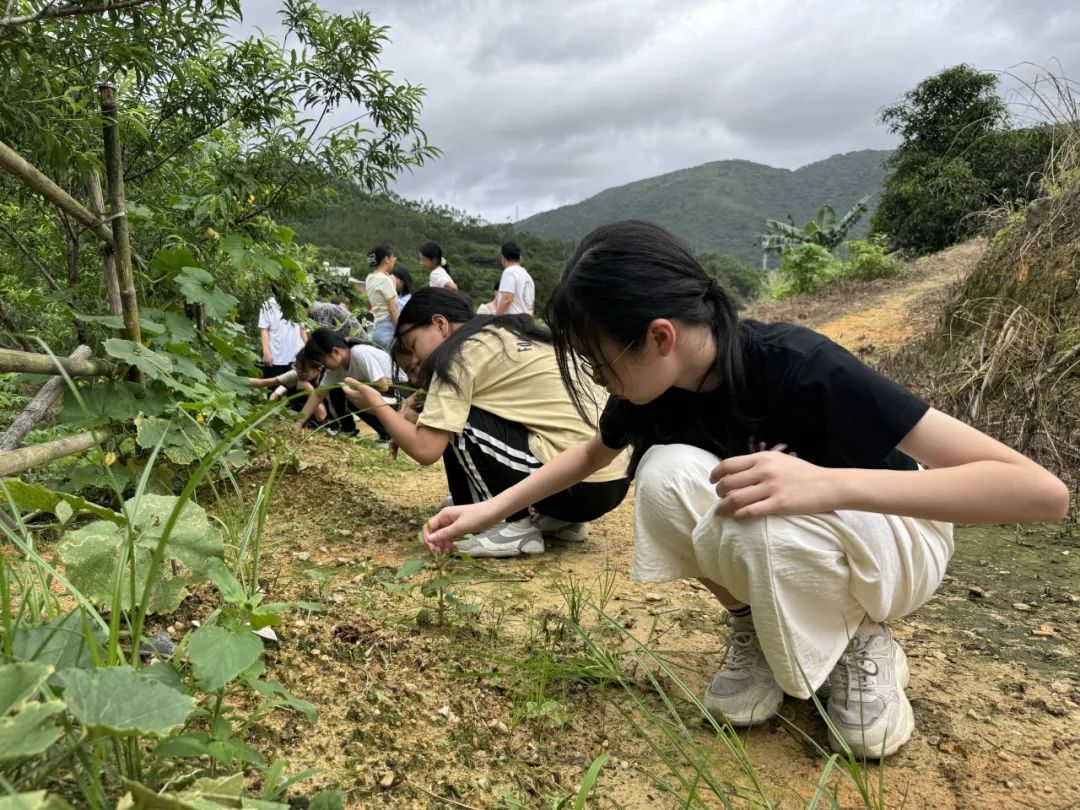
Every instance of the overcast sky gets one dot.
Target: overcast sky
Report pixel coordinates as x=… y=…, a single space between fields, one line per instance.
x=538 y=103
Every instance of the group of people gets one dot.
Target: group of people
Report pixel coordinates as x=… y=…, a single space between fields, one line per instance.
x=811 y=495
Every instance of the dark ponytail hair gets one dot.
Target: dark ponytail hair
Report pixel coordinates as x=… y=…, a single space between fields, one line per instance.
x=379 y=254
x=323 y=341
x=621 y=278
x=431 y=301
x=432 y=251
x=406 y=280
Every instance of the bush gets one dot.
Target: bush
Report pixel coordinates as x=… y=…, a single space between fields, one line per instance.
x=867 y=259
x=741 y=280
x=804 y=268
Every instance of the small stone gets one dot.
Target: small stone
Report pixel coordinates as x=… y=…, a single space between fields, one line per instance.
x=387 y=780
x=501 y=727
x=975 y=592
x=316 y=652
x=303 y=556
x=1060 y=687
x=1004 y=757
x=1043 y=630
x=653 y=596
x=195 y=623
x=324 y=549
x=1058 y=745
x=345 y=532
x=337 y=598
x=482 y=782
x=624 y=765
x=1021 y=606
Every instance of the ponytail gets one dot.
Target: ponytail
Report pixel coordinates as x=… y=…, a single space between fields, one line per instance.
x=432 y=252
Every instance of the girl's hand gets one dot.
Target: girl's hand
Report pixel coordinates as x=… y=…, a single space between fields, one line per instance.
x=274 y=396
x=772 y=483
x=455 y=522
x=360 y=395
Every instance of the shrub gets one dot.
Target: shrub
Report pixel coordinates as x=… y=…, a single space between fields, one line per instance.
x=867 y=259
x=803 y=269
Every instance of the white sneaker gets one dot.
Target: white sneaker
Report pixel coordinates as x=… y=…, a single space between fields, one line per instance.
x=867 y=704
x=744 y=692
x=509 y=539
x=561 y=529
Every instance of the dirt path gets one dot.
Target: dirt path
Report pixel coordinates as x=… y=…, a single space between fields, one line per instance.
x=503 y=704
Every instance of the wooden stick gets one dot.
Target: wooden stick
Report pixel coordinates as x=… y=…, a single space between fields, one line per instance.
x=26 y=458
x=121 y=242
x=32 y=363
x=108 y=261
x=13 y=163
x=39 y=406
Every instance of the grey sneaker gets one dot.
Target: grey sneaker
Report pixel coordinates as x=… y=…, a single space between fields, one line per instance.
x=509 y=539
x=744 y=692
x=561 y=529
x=867 y=704
x=446 y=502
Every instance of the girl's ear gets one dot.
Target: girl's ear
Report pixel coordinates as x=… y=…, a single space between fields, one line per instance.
x=440 y=323
x=661 y=334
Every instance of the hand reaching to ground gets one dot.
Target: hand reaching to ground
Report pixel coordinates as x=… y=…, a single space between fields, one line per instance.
x=455 y=522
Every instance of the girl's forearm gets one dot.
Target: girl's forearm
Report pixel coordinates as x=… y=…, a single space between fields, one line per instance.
x=978 y=492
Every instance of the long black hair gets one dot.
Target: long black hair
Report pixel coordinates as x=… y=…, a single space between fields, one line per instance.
x=431 y=301
x=406 y=280
x=323 y=341
x=621 y=278
x=432 y=251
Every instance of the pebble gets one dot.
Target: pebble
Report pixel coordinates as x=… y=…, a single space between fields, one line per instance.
x=316 y=652
x=652 y=596
x=1021 y=606
x=303 y=556
x=387 y=780
x=1060 y=687
x=1043 y=630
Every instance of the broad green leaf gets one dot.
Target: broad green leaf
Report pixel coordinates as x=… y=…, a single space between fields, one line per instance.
x=182 y=443
x=410 y=567
x=231 y=589
x=100 y=405
x=219 y=655
x=178 y=327
x=64 y=512
x=171 y=260
x=153 y=365
x=60 y=642
x=198 y=287
x=146 y=324
x=24 y=727
x=120 y=701
x=165 y=673
x=90 y=554
x=36 y=497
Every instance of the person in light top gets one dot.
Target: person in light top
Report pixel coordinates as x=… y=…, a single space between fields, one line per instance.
x=382 y=294
x=813 y=550
x=517 y=292
x=433 y=260
x=281 y=339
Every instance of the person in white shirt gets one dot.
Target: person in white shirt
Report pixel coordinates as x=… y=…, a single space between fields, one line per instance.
x=433 y=260
x=517 y=292
x=382 y=294
x=343 y=359
x=281 y=339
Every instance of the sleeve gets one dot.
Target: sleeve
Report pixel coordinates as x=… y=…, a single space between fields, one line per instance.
x=613 y=427
x=506 y=282
x=264 y=317
x=446 y=408
x=289 y=379
x=863 y=413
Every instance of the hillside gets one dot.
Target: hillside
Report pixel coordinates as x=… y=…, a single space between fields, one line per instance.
x=347 y=228
x=721 y=206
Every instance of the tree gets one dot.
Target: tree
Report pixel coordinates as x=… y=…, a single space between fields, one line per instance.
x=742 y=280
x=958 y=156
x=824 y=230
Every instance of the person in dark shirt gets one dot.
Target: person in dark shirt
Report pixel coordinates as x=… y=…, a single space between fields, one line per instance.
x=812 y=495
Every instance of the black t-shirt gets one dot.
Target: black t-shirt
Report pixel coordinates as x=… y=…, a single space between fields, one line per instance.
x=799 y=388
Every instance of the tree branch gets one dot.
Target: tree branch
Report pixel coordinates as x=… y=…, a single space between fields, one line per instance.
x=30 y=256
x=71 y=9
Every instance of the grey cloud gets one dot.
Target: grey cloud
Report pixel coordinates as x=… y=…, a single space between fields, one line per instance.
x=538 y=104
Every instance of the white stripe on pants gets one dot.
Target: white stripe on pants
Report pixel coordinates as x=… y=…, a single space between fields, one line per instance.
x=809 y=579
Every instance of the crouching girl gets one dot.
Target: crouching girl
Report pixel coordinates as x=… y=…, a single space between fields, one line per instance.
x=496 y=411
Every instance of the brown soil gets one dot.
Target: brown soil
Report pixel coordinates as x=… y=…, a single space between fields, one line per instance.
x=418 y=712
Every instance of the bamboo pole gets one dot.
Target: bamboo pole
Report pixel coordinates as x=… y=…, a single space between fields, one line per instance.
x=13 y=163
x=108 y=261
x=121 y=242
x=26 y=458
x=39 y=406
x=32 y=363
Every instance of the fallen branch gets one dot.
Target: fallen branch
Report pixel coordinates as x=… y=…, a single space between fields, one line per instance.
x=39 y=406
x=26 y=458
x=31 y=363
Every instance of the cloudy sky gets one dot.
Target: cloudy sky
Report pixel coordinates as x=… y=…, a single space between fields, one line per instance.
x=538 y=103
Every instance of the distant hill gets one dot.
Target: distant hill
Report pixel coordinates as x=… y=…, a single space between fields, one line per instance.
x=720 y=207
x=351 y=225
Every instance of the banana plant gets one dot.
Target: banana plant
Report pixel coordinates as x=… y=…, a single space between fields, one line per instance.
x=825 y=229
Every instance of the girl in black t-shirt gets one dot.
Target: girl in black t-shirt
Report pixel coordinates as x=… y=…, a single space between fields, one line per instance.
x=813 y=496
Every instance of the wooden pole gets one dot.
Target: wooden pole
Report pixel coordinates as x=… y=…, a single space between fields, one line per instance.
x=39 y=406
x=108 y=261
x=13 y=163
x=31 y=363
x=26 y=458
x=121 y=242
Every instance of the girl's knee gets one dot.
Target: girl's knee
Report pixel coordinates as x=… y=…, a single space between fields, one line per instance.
x=673 y=468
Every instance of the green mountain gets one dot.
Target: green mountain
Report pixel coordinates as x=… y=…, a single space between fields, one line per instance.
x=354 y=222
x=721 y=207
